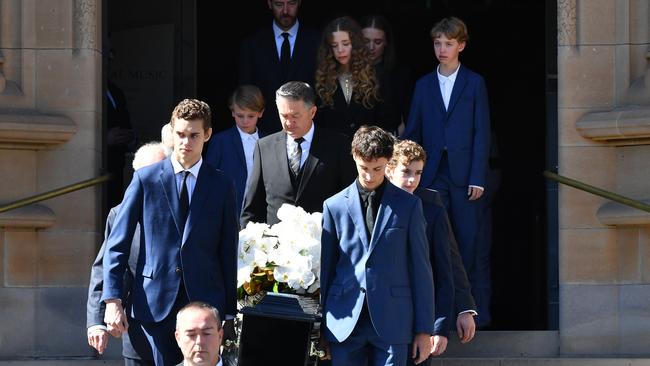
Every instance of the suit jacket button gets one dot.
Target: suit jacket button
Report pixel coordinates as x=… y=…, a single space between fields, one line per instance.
x=178 y=270
x=363 y=290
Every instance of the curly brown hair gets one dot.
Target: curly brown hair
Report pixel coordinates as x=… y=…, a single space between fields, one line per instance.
x=191 y=109
x=365 y=88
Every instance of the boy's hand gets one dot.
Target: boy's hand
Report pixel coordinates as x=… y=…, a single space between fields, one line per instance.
x=466 y=327
x=439 y=345
x=421 y=347
x=474 y=193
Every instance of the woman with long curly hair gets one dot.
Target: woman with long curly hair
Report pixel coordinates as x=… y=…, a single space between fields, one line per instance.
x=346 y=84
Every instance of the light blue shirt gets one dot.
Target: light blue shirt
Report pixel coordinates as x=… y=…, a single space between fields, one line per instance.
x=305 y=145
x=293 y=33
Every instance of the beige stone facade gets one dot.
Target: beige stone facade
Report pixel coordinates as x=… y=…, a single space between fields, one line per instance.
x=50 y=136
x=604 y=126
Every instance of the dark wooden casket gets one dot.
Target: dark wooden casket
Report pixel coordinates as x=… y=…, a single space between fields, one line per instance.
x=279 y=330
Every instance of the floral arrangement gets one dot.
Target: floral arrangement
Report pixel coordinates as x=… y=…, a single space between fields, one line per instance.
x=284 y=257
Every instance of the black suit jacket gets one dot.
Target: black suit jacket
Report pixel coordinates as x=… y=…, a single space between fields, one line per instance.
x=328 y=169
x=347 y=118
x=259 y=64
x=134 y=343
x=439 y=230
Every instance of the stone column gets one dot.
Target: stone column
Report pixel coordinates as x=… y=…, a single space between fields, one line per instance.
x=50 y=136
x=604 y=247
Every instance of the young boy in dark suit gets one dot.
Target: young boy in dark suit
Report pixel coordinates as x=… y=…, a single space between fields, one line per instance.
x=450 y=118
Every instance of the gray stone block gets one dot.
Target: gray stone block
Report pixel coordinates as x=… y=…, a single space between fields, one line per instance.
x=634 y=320
x=589 y=319
x=505 y=344
x=18 y=322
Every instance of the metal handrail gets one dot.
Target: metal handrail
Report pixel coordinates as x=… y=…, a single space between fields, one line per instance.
x=597 y=191
x=55 y=193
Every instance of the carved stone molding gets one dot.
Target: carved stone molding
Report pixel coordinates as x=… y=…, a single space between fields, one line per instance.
x=33 y=216
x=567 y=29
x=32 y=131
x=623 y=126
x=612 y=213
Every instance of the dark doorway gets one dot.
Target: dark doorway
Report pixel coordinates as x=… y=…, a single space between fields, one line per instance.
x=507 y=46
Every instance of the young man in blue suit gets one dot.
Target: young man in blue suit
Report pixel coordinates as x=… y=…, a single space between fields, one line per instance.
x=450 y=118
x=231 y=151
x=188 y=251
x=376 y=279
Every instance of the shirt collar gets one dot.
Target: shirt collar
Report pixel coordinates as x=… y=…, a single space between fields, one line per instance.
x=309 y=136
x=442 y=78
x=245 y=135
x=194 y=170
x=293 y=31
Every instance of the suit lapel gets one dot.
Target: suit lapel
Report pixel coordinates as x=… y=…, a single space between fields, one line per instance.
x=201 y=190
x=311 y=162
x=272 y=49
x=435 y=91
x=383 y=215
x=239 y=147
x=459 y=86
x=280 y=147
x=354 y=209
x=168 y=182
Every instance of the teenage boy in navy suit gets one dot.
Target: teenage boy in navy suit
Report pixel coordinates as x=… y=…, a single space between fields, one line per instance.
x=188 y=252
x=450 y=118
x=376 y=279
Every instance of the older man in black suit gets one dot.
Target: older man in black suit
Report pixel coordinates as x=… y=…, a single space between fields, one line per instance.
x=302 y=165
x=278 y=53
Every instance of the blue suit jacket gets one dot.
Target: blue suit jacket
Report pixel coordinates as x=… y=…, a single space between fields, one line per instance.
x=464 y=128
x=390 y=270
x=205 y=256
x=226 y=153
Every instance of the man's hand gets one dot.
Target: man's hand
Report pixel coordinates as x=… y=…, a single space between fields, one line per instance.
x=474 y=193
x=115 y=318
x=466 y=327
x=421 y=347
x=439 y=345
x=229 y=330
x=98 y=339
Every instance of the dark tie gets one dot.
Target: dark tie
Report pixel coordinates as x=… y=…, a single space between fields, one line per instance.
x=370 y=214
x=285 y=54
x=295 y=157
x=184 y=203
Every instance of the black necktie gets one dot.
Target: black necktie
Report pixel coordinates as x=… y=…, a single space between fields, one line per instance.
x=184 y=205
x=296 y=156
x=370 y=214
x=285 y=54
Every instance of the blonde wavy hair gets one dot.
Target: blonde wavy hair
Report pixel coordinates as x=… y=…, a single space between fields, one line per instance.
x=365 y=88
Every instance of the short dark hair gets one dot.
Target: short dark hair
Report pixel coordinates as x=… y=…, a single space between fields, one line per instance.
x=192 y=109
x=371 y=142
x=297 y=91
x=201 y=306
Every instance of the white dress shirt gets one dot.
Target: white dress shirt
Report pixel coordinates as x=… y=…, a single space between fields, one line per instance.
x=248 y=141
x=293 y=33
x=220 y=363
x=447 y=84
x=191 y=178
x=305 y=145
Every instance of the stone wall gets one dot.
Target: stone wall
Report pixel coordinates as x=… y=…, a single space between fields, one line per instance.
x=50 y=136
x=603 y=136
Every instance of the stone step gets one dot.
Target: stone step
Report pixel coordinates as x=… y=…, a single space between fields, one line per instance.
x=506 y=344
x=541 y=362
